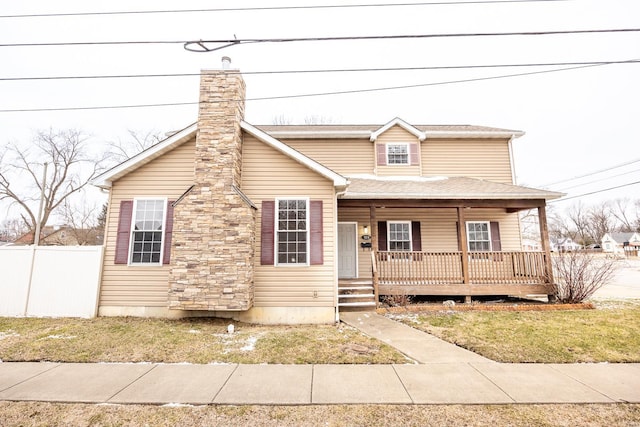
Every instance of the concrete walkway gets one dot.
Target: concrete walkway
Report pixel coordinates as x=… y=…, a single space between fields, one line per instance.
x=445 y=374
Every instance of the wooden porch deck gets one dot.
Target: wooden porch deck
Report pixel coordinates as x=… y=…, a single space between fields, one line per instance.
x=449 y=273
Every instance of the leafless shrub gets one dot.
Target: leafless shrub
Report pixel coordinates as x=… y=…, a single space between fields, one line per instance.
x=402 y=300
x=578 y=275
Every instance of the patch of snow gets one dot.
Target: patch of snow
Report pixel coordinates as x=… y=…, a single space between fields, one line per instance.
x=59 y=337
x=8 y=334
x=193 y=331
x=177 y=405
x=251 y=344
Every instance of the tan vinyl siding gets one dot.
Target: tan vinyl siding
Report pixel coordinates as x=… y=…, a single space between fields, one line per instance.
x=482 y=159
x=348 y=156
x=438 y=230
x=167 y=176
x=266 y=175
x=398 y=135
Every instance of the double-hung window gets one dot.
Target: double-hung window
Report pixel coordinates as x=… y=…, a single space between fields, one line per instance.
x=399 y=236
x=478 y=236
x=147 y=230
x=292 y=231
x=397 y=154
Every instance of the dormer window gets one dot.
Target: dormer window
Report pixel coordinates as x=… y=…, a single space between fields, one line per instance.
x=397 y=154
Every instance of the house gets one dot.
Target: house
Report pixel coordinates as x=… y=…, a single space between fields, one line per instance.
x=619 y=243
x=61 y=236
x=291 y=224
x=564 y=244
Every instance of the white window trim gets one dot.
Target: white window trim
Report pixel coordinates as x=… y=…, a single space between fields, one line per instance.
x=386 y=150
x=130 y=263
x=389 y=234
x=275 y=240
x=488 y=223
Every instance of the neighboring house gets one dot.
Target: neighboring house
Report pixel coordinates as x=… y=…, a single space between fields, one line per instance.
x=564 y=244
x=62 y=236
x=618 y=243
x=290 y=224
x=531 y=244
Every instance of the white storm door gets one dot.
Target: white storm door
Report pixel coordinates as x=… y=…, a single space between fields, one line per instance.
x=347 y=250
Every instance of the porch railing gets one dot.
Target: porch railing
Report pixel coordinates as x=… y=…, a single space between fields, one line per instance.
x=445 y=268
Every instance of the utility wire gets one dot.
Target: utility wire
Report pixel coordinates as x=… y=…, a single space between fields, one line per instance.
x=318 y=71
x=594 y=192
x=598 y=180
x=266 y=8
x=343 y=92
x=592 y=173
x=229 y=42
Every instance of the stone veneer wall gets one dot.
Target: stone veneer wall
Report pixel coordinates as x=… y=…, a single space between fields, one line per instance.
x=214 y=228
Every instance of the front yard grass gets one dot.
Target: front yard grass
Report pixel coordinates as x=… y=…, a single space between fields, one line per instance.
x=607 y=334
x=125 y=339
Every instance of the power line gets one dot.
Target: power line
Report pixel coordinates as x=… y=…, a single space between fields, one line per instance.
x=598 y=180
x=318 y=71
x=189 y=45
x=592 y=173
x=275 y=8
x=594 y=192
x=343 y=92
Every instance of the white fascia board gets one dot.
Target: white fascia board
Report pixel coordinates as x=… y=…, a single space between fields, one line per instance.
x=105 y=180
x=398 y=121
x=473 y=134
x=338 y=180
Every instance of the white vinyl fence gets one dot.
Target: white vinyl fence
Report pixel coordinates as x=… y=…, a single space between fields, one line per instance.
x=49 y=281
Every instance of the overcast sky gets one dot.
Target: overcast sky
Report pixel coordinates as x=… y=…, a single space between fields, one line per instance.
x=576 y=121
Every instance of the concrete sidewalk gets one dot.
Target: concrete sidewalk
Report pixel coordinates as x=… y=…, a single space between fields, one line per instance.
x=444 y=374
x=431 y=383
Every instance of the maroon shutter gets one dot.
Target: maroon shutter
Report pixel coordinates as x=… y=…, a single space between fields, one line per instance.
x=496 y=245
x=416 y=239
x=414 y=158
x=381 y=154
x=382 y=235
x=267 y=232
x=168 y=233
x=315 y=229
x=124 y=232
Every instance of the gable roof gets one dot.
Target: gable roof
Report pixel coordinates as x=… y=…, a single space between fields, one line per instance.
x=621 y=237
x=338 y=180
x=434 y=188
x=106 y=179
x=404 y=125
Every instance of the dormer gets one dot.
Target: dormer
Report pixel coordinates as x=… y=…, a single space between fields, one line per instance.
x=397 y=149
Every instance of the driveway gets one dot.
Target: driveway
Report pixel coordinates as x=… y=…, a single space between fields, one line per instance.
x=625 y=284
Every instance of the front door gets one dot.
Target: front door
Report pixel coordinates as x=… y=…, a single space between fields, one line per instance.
x=347 y=250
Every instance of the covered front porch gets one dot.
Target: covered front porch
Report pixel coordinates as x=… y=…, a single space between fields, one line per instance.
x=468 y=245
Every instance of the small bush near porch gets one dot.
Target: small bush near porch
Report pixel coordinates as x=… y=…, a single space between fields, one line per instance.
x=607 y=334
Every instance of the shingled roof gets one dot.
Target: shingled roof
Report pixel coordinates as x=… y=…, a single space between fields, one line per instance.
x=372 y=187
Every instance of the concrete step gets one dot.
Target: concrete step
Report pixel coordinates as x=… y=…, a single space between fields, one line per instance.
x=357 y=296
x=355 y=288
x=357 y=304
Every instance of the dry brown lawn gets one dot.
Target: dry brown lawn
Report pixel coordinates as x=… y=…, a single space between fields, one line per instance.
x=57 y=414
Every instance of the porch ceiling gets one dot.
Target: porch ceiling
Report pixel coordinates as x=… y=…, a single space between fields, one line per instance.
x=440 y=188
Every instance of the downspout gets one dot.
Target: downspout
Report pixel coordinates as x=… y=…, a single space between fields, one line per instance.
x=335 y=254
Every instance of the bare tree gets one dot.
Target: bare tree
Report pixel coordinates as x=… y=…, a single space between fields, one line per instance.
x=137 y=142
x=81 y=221
x=11 y=229
x=601 y=221
x=281 y=119
x=627 y=213
x=579 y=275
x=70 y=168
x=316 y=119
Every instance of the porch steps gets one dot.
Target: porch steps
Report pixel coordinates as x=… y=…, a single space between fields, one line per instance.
x=356 y=294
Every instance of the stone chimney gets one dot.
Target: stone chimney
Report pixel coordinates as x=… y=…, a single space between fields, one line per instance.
x=214 y=225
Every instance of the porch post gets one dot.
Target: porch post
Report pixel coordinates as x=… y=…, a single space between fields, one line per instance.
x=544 y=237
x=462 y=238
x=374 y=249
